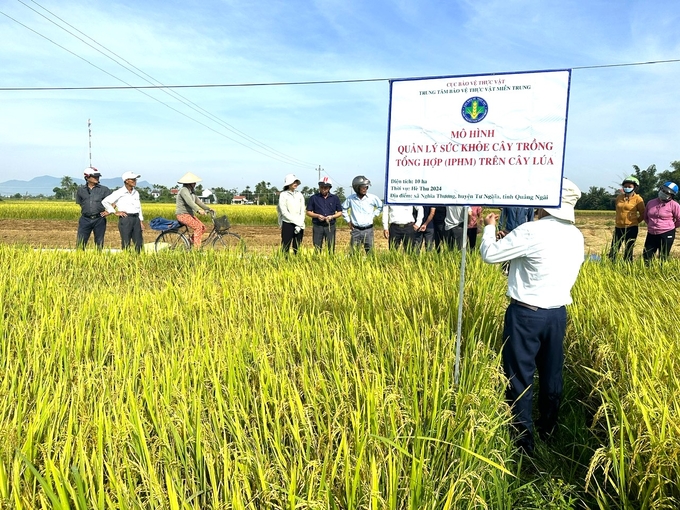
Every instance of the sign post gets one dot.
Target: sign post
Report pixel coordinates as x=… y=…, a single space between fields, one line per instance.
x=496 y=140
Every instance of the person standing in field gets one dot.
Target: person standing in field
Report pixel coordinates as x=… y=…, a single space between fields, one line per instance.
x=92 y=213
x=425 y=234
x=513 y=217
x=438 y=221
x=128 y=208
x=474 y=213
x=187 y=204
x=291 y=214
x=358 y=210
x=545 y=258
x=662 y=215
x=630 y=211
x=399 y=225
x=453 y=226
x=324 y=208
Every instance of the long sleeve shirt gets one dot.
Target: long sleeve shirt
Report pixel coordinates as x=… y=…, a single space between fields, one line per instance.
x=662 y=216
x=361 y=211
x=125 y=201
x=630 y=210
x=291 y=208
x=401 y=215
x=90 y=199
x=545 y=258
x=188 y=203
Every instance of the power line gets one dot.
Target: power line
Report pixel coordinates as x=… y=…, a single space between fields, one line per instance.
x=317 y=82
x=170 y=92
x=278 y=156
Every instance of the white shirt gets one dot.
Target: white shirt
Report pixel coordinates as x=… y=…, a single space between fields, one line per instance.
x=125 y=201
x=455 y=215
x=361 y=211
x=291 y=208
x=401 y=215
x=545 y=257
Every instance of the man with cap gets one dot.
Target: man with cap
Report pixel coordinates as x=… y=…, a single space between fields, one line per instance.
x=545 y=258
x=358 y=210
x=128 y=208
x=324 y=208
x=187 y=203
x=291 y=214
x=92 y=213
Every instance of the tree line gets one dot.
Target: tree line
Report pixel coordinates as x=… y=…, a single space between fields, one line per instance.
x=601 y=199
x=263 y=193
x=595 y=199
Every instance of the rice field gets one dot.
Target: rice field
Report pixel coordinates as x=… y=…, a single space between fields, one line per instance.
x=209 y=380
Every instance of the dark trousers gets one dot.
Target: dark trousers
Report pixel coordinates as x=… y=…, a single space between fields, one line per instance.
x=658 y=242
x=533 y=341
x=130 y=230
x=361 y=238
x=86 y=226
x=625 y=236
x=438 y=236
x=401 y=234
x=472 y=237
x=427 y=237
x=290 y=238
x=454 y=237
x=321 y=232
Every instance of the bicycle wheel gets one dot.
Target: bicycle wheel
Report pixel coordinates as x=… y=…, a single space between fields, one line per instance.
x=172 y=240
x=229 y=242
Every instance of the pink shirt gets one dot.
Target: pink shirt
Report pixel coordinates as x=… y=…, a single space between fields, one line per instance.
x=662 y=216
x=473 y=216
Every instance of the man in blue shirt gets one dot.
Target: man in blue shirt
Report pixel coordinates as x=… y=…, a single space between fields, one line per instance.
x=359 y=209
x=324 y=208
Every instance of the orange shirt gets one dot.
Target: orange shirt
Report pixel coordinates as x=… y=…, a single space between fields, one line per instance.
x=629 y=210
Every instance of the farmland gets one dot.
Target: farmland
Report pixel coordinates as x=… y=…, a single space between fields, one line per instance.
x=212 y=380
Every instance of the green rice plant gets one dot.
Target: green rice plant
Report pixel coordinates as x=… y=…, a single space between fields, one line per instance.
x=133 y=384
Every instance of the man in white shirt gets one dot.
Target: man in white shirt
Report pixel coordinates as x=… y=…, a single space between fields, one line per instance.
x=128 y=208
x=453 y=226
x=545 y=258
x=400 y=225
x=358 y=210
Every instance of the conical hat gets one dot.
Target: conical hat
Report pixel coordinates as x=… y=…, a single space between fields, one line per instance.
x=189 y=178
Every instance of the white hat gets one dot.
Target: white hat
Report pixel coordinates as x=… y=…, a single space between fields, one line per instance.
x=189 y=178
x=326 y=181
x=90 y=170
x=130 y=175
x=570 y=195
x=290 y=179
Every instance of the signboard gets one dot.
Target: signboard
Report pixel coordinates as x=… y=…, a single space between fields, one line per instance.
x=478 y=140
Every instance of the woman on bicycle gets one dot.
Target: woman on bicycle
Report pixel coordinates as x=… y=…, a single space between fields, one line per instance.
x=187 y=204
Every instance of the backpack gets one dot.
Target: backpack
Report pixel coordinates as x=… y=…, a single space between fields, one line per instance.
x=164 y=224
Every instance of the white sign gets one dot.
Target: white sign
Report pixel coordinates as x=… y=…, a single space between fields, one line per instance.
x=478 y=140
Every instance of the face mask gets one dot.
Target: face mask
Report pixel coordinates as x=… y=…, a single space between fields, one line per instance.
x=628 y=190
x=664 y=196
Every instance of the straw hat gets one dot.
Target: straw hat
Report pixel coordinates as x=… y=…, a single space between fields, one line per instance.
x=189 y=178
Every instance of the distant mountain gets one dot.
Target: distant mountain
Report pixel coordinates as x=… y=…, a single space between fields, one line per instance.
x=45 y=184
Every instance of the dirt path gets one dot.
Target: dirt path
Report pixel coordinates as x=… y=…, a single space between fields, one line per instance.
x=62 y=234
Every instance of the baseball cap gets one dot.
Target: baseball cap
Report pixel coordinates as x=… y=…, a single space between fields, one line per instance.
x=130 y=175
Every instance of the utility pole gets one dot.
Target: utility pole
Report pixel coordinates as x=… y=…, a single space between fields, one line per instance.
x=89 y=135
x=319 y=173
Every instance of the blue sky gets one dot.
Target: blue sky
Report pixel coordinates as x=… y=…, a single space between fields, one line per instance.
x=618 y=116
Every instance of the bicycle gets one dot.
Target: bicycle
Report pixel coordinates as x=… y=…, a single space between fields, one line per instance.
x=219 y=238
